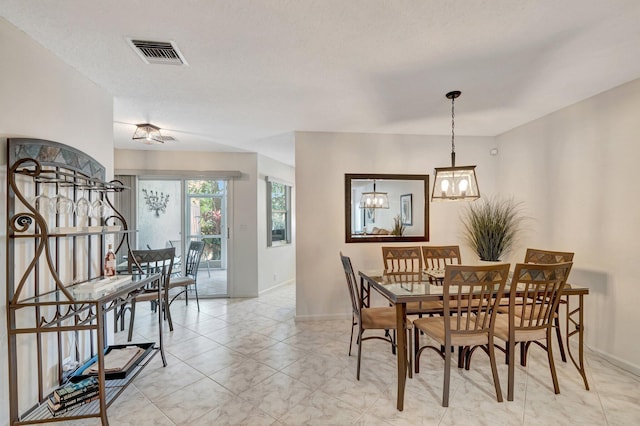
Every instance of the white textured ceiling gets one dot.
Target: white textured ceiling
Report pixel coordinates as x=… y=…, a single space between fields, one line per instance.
x=261 y=69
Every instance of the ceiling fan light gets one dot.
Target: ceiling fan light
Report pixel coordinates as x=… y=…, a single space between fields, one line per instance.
x=148 y=134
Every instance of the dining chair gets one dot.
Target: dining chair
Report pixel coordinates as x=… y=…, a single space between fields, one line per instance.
x=530 y=316
x=406 y=263
x=190 y=277
x=371 y=318
x=437 y=257
x=152 y=262
x=469 y=296
x=402 y=259
x=546 y=257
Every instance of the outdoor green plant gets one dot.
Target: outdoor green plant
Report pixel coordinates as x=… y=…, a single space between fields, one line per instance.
x=491 y=226
x=398 y=227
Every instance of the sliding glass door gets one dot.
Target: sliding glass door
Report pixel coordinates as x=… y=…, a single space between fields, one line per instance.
x=206 y=203
x=173 y=212
x=159 y=217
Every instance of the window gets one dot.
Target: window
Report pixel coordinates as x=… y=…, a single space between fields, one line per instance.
x=278 y=213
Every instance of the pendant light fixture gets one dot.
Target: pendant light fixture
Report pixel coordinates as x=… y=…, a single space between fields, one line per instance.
x=455 y=183
x=375 y=199
x=148 y=134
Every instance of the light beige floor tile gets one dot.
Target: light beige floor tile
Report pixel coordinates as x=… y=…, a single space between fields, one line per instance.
x=235 y=412
x=279 y=355
x=358 y=395
x=280 y=331
x=216 y=359
x=368 y=419
x=133 y=408
x=239 y=378
x=185 y=405
x=320 y=409
x=250 y=343
x=314 y=369
x=206 y=326
x=192 y=347
x=228 y=334
x=277 y=394
x=163 y=381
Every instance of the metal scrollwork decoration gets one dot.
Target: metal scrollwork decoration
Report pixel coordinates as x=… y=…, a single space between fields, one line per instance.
x=21 y=222
x=156 y=203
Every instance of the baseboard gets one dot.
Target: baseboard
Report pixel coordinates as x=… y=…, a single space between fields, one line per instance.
x=302 y=318
x=625 y=365
x=277 y=286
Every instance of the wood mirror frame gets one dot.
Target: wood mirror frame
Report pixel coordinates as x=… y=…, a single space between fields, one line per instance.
x=420 y=206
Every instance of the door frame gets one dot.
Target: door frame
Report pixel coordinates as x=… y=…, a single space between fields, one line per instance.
x=183 y=177
x=228 y=203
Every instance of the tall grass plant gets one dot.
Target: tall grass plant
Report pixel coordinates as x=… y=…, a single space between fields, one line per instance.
x=491 y=226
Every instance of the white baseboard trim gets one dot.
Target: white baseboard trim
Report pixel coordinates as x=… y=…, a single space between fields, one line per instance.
x=625 y=365
x=282 y=284
x=303 y=318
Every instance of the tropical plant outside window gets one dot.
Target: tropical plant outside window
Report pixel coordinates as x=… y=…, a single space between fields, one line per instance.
x=278 y=212
x=206 y=221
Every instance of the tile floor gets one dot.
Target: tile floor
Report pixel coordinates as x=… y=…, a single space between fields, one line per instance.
x=247 y=362
x=211 y=282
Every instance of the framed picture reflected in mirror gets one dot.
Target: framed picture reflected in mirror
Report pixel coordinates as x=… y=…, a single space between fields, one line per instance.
x=406 y=209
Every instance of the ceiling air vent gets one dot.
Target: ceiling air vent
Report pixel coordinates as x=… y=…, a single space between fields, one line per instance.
x=158 y=52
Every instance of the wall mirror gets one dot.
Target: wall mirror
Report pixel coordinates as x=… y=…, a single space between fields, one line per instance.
x=405 y=200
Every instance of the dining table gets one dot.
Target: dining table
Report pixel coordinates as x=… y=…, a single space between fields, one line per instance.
x=428 y=287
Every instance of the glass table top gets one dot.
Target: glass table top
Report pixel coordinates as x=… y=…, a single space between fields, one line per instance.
x=94 y=290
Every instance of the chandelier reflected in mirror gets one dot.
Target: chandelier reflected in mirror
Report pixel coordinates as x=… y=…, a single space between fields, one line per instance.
x=156 y=203
x=375 y=199
x=455 y=182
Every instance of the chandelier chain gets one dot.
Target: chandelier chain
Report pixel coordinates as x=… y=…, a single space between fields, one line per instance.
x=453 y=125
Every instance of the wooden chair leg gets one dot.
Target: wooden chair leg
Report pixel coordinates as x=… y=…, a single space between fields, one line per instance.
x=511 y=349
x=409 y=353
x=524 y=350
x=556 y=323
x=552 y=366
x=393 y=344
x=447 y=378
x=462 y=351
x=416 y=346
x=494 y=371
x=359 y=352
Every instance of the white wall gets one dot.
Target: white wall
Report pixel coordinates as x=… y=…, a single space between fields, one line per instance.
x=276 y=264
x=322 y=159
x=243 y=266
x=578 y=167
x=44 y=98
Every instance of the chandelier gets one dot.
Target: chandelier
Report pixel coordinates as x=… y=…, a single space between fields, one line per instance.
x=375 y=199
x=455 y=183
x=155 y=202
